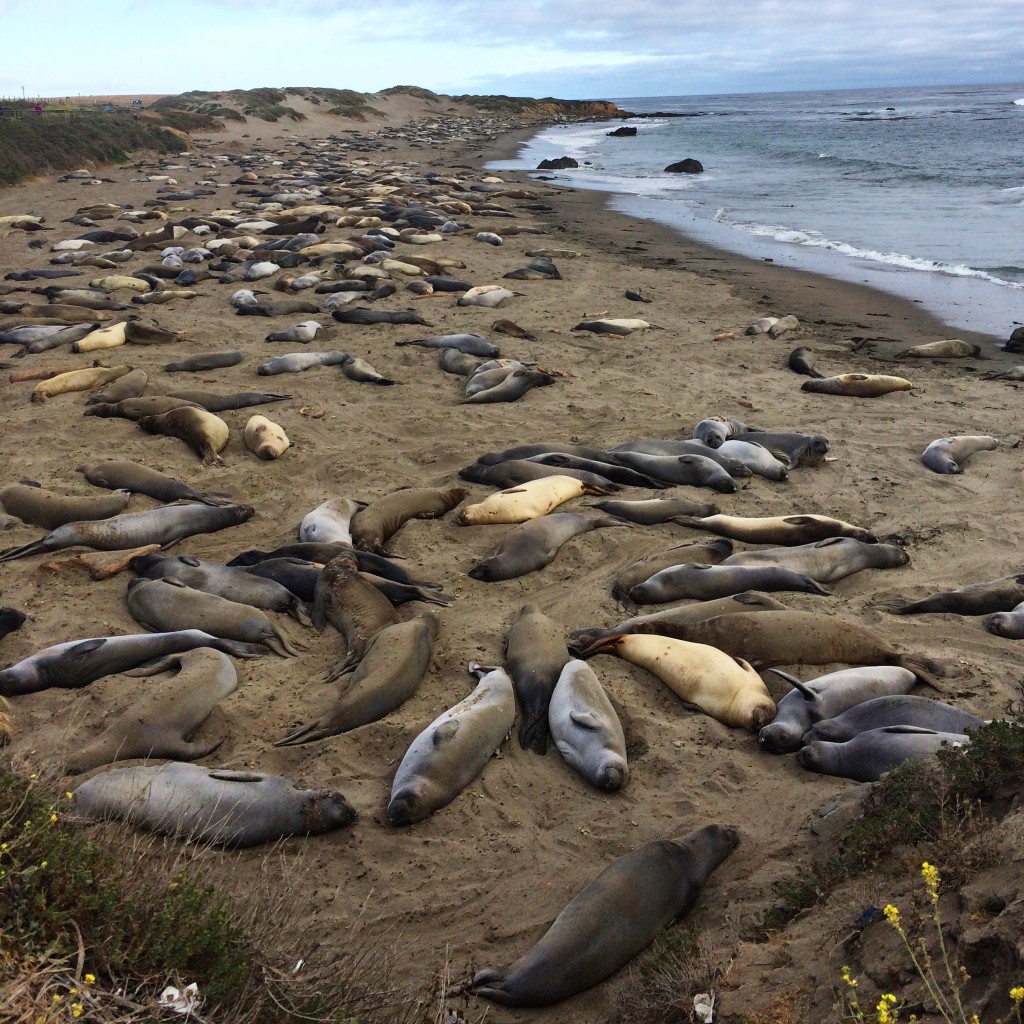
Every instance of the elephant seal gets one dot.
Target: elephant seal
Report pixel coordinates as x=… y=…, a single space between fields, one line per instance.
x=611 y=920
x=297 y=362
x=633 y=452
x=902 y=709
x=136 y=408
x=48 y=510
x=706 y=582
x=72 y=665
x=10 y=620
x=714 y=430
x=390 y=672
x=826 y=561
x=998 y=595
x=213 y=402
x=131 y=385
x=703 y=677
x=352 y=605
x=681 y=614
x=167 y=605
x=265 y=438
x=792 y=638
x=858 y=385
x=532 y=545
x=512 y=388
x=799 y=529
x=948 y=454
x=827 y=696
x=130 y=476
x=360 y=371
x=77 y=380
x=709 y=552
x=373 y=526
x=694 y=470
x=205 y=433
x=651 y=511
x=329 y=523
x=1008 y=624
x=206 y=361
x=756 y=458
x=518 y=471
x=619 y=474
x=528 y=451
x=952 y=348
x=528 y=500
x=799 y=362
x=470 y=344
x=211 y=805
x=586 y=729
x=230 y=582
x=869 y=755
x=536 y=654
x=791 y=447
x=136 y=529
x=445 y=758
x=162 y=723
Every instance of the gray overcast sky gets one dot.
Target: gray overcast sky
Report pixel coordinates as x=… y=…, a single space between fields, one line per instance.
x=565 y=48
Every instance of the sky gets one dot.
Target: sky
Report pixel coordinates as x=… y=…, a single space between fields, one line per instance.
x=571 y=49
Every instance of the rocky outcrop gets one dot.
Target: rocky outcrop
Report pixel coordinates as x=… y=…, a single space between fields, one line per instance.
x=560 y=163
x=624 y=132
x=687 y=166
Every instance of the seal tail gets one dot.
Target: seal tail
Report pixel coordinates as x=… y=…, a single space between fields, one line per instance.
x=588 y=645
x=583 y=639
x=36 y=547
x=308 y=733
x=928 y=671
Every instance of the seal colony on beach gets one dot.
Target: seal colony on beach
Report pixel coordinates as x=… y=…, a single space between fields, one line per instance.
x=385 y=500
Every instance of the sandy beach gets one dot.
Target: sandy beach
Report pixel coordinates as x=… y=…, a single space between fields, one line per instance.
x=477 y=883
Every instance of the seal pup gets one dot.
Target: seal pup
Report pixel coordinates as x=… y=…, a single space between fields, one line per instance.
x=652 y=511
x=166 y=605
x=532 y=545
x=518 y=471
x=586 y=729
x=869 y=755
x=922 y=712
x=619 y=327
x=129 y=530
x=135 y=408
x=703 y=677
x=163 y=721
x=211 y=805
x=265 y=438
x=297 y=362
x=858 y=385
x=799 y=362
x=1008 y=624
x=681 y=614
x=715 y=430
x=694 y=470
x=512 y=388
x=536 y=654
x=528 y=500
x=470 y=344
x=798 y=529
x=330 y=522
x=826 y=561
x=706 y=582
x=360 y=371
x=445 y=758
x=617 y=473
x=374 y=525
x=952 y=348
x=46 y=509
x=206 y=434
x=77 y=380
x=390 y=672
x=709 y=552
x=131 y=385
x=791 y=447
x=611 y=920
x=206 y=361
x=827 y=696
x=10 y=620
x=756 y=458
x=77 y=663
x=629 y=451
x=998 y=595
x=130 y=476
x=948 y=454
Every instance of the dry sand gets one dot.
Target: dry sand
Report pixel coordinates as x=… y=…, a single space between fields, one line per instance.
x=478 y=883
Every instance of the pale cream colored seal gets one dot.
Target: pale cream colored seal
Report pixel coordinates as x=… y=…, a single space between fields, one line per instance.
x=265 y=438
x=528 y=500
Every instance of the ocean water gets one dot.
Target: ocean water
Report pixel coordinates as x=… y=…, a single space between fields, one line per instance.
x=918 y=192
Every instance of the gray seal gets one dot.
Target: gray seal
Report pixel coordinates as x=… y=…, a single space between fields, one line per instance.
x=714 y=430
x=48 y=510
x=694 y=470
x=78 y=663
x=826 y=697
x=827 y=561
x=869 y=755
x=211 y=805
x=793 y=448
x=390 y=672
x=611 y=920
x=899 y=709
x=948 y=454
x=167 y=604
x=652 y=511
x=470 y=344
x=706 y=582
x=445 y=758
x=632 y=575
x=205 y=361
x=998 y=595
x=297 y=362
x=163 y=721
x=586 y=729
x=1008 y=624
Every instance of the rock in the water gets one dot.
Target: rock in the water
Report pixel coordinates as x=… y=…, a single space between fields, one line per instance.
x=622 y=133
x=687 y=166
x=1016 y=342
x=558 y=164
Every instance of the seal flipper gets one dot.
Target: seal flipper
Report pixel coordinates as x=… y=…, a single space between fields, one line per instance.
x=308 y=733
x=585 y=720
x=534 y=734
x=486 y=984
x=927 y=671
x=445 y=732
x=36 y=547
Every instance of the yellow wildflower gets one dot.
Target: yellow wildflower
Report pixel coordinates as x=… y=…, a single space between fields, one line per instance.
x=53 y=818
x=930 y=874
x=90 y=979
x=34 y=775
x=1017 y=994
x=57 y=998
x=43 y=864
x=892 y=915
x=850 y=980
x=76 y=1009
x=68 y=794
x=886 y=1014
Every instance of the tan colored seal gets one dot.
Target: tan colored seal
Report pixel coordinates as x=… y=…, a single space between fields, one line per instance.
x=952 y=348
x=205 y=433
x=528 y=500
x=39 y=507
x=375 y=525
x=703 y=677
x=798 y=529
x=858 y=385
x=77 y=380
x=265 y=438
